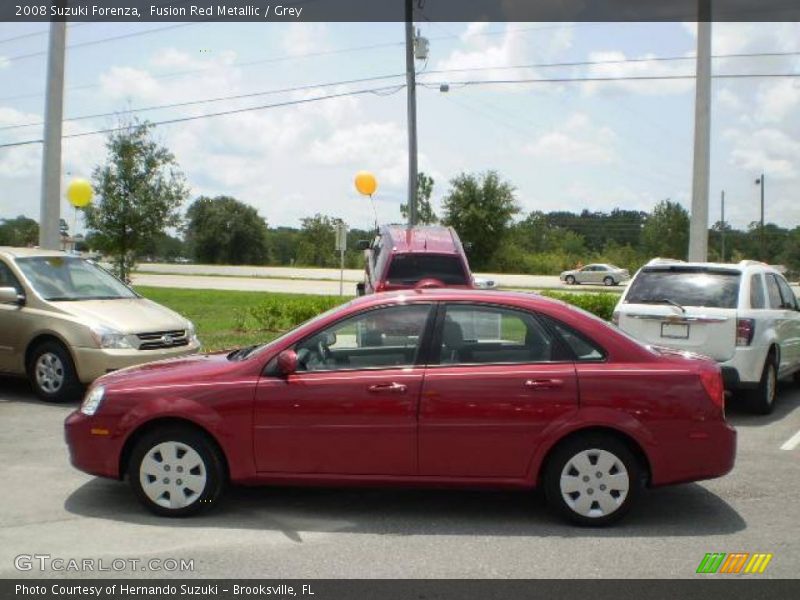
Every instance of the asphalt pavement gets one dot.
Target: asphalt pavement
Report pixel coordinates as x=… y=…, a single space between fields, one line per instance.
x=47 y=507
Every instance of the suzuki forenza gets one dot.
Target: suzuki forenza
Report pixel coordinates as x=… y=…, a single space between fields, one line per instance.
x=438 y=386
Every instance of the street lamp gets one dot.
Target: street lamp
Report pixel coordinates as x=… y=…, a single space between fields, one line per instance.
x=760 y=182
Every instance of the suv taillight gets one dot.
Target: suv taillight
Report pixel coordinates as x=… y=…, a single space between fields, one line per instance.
x=712 y=381
x=745 y=329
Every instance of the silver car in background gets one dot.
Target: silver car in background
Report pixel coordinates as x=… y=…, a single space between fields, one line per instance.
x=597 y=273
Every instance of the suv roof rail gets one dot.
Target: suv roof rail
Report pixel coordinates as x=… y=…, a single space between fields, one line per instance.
x=664 y=261
x=750 y=263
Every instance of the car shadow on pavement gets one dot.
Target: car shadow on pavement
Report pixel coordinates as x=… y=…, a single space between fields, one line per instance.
x=787 y=402
x=17 y=389
x=686 y=510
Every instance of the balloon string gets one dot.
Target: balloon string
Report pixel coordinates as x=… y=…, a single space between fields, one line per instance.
x=375 y=212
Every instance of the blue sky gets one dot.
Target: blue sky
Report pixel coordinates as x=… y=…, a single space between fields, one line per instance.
x=565 y=146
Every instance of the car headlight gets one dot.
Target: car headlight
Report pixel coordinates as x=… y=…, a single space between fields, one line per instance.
x=191 y=332
x=106 y=337
x=92 y=400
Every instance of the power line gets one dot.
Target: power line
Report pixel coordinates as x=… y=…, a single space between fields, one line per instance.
x=395 y=88
x=217 y=99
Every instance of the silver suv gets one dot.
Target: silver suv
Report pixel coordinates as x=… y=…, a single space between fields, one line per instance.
x=743 y=315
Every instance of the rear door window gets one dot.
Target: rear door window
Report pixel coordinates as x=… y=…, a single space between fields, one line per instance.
x=687 y=286
x=410 y=269
x=774 y=292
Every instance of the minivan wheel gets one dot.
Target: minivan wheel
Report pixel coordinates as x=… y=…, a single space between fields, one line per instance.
x=762 y=399
x=608 y=281
x=176 y=472
x=569 y=280
x=52 y=373
x=592 y=480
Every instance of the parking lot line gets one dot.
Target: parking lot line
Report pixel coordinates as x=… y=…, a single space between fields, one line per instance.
x=792 y=442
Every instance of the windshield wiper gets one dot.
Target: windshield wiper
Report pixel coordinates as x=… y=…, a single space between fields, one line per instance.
x=664 y=301
x=241 y=353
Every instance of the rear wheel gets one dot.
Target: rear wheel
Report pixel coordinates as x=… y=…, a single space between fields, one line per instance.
x=608 y=281
x=52 y=373
x=592 y=480
x=762 y=399
x=569 y=280
x=176 y=471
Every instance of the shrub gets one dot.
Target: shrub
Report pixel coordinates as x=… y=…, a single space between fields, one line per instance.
x=600 y=304
x=278 y=314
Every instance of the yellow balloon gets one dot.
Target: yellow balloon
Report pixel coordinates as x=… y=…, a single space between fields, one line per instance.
x=366 y=183
x=79 y=193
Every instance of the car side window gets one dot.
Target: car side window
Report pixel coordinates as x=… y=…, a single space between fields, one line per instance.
x=472 y=334
x=386 y=337
x=757 y=299
x=583 y=348
x=789 y=299
x=774 y=293
x=8 y=279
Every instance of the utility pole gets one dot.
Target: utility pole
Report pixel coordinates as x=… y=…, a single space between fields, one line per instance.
x=698 y=228
x=411 y=92
x=50 y=204
x=722 y=221
x=760 y=181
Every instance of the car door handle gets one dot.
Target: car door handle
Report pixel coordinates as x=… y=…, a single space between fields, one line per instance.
x=387 y=388
x=543 y=384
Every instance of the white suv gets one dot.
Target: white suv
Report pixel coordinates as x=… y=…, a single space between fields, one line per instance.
x=745 y=316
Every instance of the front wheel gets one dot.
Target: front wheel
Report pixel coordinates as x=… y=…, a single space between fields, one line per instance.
x=569 y=280
x=52 y=373
x=176 y=472
x=592 y=480
x=762 y=399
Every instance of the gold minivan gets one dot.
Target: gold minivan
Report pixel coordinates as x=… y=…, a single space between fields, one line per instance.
x=65 y=321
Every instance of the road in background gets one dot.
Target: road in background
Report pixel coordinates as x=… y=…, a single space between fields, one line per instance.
x=47 y=507
x=304 y=281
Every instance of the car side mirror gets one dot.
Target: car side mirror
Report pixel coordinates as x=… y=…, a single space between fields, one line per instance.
x=9 y=295
x=362 y=244
x=287 y=362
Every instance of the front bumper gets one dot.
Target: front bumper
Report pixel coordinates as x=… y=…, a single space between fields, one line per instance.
x=91 y=363
x=94 y=447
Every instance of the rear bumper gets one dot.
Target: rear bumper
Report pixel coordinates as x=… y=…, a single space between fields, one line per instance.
x=706 y=451
x=743 y=370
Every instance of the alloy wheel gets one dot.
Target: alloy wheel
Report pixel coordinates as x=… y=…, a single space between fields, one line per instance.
x=49 y=371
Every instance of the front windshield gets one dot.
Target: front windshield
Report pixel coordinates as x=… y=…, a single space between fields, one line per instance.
x=70 y=278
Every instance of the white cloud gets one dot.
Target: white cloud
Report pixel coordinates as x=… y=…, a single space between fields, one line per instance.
x=128 y=82
x=611 y=66
x=304 y=38
x=578 y=141
x=765 y=150
x=778 y=100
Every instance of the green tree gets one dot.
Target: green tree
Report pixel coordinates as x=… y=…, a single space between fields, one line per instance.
x=317 y=241
x=425 y=213
x=20 y=231
x=223 y=230
x=481 y=209
x=666 y=231
x=140 y=189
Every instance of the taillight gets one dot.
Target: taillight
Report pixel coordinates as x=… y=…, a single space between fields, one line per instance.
x=615 y=318
x=745 y=329
x=712 y=382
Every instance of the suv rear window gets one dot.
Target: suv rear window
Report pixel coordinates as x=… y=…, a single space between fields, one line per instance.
x=408 y=269
x=687 y=286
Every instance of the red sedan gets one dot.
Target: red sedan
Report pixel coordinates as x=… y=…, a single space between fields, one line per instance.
x=443 y=387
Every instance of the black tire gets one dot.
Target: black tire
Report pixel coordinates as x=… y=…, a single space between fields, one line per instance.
x=588 y=445
x=213 y=469
x=52 y=374
x=608 y=281
x=796 y=377
x=762 y=399
x=569 y=280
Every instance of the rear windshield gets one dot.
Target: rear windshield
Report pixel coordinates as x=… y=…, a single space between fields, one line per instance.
x=687 y=286
x=409 y=269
